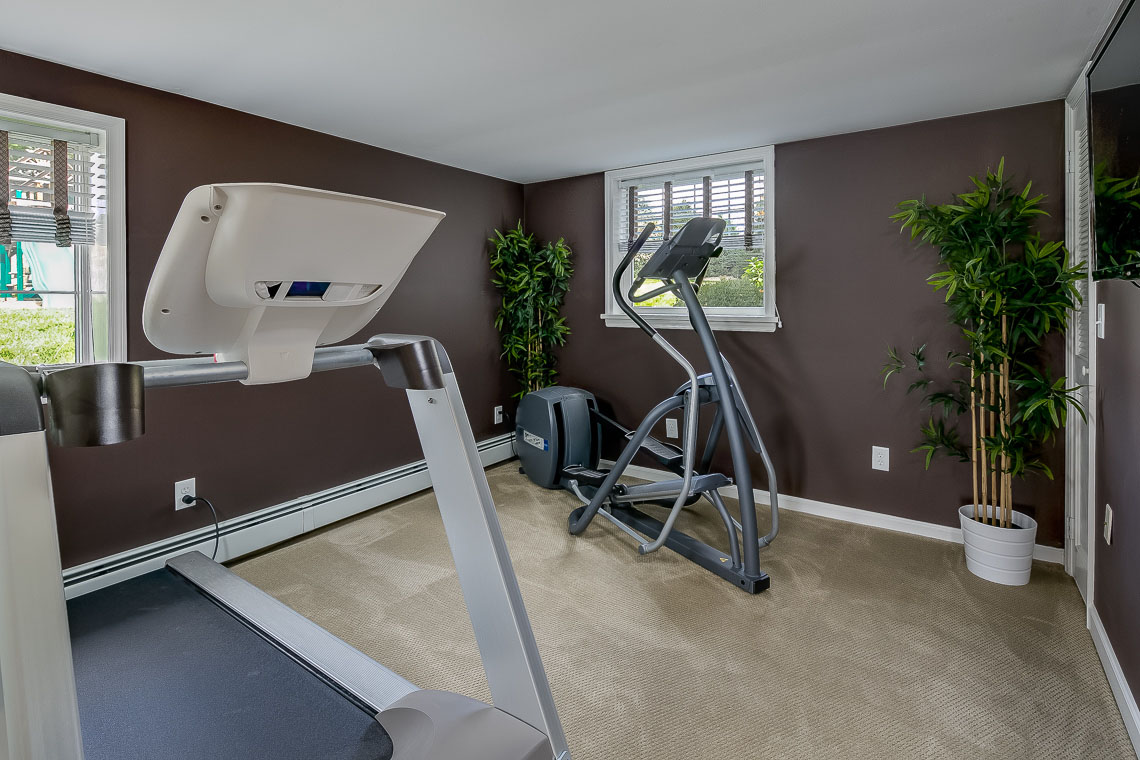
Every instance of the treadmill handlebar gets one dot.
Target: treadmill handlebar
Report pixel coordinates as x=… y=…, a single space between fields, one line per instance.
x=407 y=361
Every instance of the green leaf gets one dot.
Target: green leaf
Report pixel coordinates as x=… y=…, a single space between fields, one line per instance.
x=894 y=364
x=929 y=453
x=919 y=384
x=919 y=355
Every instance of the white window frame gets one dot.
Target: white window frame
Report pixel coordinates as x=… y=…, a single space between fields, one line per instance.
x=764 y=319
x=112 y=134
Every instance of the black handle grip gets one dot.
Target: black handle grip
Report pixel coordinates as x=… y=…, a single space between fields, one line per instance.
x=620 y=271
x=634 y=248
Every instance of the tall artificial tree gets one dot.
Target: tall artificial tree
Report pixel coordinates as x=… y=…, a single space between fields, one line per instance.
x=1007 y=292
x=532 y=279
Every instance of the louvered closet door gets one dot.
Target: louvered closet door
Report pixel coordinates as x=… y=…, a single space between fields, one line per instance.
x=1080 y=348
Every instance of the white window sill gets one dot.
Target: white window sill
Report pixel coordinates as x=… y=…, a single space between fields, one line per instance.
x=681 y=322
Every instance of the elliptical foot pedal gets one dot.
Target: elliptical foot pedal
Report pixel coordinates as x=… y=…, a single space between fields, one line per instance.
x=584 y=475
x=665 y=453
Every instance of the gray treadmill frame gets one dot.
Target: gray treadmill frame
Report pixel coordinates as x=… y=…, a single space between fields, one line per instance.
x=39 y=727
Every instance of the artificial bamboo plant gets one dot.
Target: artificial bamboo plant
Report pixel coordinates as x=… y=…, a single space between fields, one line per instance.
x=1007 y=292
x=532 y=279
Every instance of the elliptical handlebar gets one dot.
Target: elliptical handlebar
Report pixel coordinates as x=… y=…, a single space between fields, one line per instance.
x=632 y=293
x=691 y=405
x=634 y=248
x=619 y=273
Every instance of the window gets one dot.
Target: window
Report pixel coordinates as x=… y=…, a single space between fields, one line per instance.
x=738 y=292
x=62 y=235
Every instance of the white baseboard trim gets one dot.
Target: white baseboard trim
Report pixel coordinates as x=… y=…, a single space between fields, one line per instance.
x=1125 y=700
x=1051 y=554
x=266 y=527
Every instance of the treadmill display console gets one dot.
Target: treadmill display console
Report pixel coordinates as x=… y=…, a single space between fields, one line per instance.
x=307 y=289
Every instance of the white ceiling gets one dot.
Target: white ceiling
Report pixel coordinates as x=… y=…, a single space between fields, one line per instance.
x=538 y=89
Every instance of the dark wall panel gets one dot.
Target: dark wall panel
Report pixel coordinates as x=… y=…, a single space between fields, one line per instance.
x=1116 y=143
x=1117 y=596
x=251 y=447
x=1115 y=134
x=847 y=286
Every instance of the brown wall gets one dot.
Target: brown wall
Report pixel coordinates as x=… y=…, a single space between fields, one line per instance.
x=848 y=285
x=1116 y=139
x=253 y=447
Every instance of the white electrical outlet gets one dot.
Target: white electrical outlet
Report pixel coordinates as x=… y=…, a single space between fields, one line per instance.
x=498 y=415
x=1108 y=524
x=880 y=458
x=184 y=488
x=671 y=428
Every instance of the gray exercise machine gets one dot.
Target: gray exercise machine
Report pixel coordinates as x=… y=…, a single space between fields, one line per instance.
x=238 y=283
x=559 y=431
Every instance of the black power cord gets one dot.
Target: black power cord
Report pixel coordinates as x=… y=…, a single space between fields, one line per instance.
x=217 y=525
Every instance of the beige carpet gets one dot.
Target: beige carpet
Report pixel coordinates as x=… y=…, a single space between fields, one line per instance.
x=870 y=644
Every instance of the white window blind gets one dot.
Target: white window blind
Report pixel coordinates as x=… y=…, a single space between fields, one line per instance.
x=34 y=204
x=733 y=193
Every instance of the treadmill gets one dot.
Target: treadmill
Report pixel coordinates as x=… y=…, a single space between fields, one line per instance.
x=191 y=660
x=197 y=681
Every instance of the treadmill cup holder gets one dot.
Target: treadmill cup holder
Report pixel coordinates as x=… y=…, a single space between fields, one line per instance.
x=95 y=404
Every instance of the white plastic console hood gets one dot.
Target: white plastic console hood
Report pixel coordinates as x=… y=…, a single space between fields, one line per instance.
x=264 y=273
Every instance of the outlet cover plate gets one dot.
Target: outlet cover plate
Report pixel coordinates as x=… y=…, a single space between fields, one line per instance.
x=880 y=458
x=671 y=430
x=184 y=488
x=498 y=415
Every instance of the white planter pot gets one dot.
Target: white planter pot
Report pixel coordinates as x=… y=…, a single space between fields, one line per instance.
x=1001 y=555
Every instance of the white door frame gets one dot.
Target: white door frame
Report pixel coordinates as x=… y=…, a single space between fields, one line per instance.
x=1078 y=98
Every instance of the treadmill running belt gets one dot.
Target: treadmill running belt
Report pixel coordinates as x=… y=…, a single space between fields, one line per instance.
x=163 y=674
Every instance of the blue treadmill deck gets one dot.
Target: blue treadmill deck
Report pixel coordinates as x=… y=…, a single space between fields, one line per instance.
x=163 y=673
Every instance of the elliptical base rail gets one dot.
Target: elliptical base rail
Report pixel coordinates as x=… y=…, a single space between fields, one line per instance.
x=698 y=552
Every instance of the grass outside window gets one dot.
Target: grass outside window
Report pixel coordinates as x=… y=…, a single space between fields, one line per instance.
x=35 y=335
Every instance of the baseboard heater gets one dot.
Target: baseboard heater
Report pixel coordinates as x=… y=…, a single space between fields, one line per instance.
x=266 y=527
